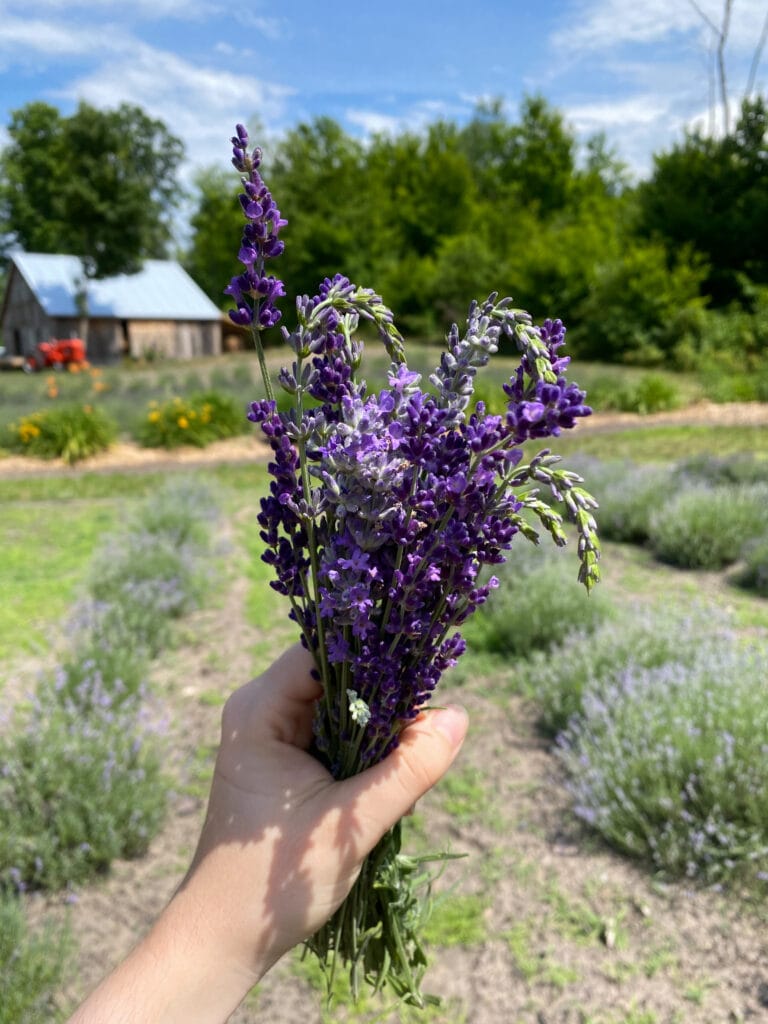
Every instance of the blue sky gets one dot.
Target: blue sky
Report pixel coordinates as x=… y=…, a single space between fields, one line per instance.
x=640 y=70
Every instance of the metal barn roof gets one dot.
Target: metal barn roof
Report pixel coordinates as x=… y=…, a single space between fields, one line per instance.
x=161 y=290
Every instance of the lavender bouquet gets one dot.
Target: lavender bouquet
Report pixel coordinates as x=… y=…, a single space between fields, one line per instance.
x=384 y=510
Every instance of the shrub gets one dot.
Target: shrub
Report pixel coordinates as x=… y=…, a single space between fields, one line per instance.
x=646 y=638
x=754 y=573
x=719 y=471
x=80 y=785
x=181 y=511
x=150 y=580
x=106 y=640
x=652 y=393
x=707 y=527
x=32 y=967
x=627 y=494
x=671 y=764
x=70 y=432
x=538 y=602
x=196 y=420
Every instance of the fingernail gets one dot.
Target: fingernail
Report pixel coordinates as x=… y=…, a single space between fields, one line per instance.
x=452 y=722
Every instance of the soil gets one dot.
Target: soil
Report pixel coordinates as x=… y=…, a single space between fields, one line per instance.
x=573 y=934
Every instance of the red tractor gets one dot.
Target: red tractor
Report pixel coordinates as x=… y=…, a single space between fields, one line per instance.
x=56 y=354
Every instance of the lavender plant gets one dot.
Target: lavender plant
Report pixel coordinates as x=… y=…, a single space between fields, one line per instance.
x=705 y=527
x=80 y=783
x=383 y=510
x=670 y=763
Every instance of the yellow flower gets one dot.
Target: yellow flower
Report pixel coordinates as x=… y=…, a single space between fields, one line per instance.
x=154 y=416
x=192 y=414
x=183 y=422
x=28 y=431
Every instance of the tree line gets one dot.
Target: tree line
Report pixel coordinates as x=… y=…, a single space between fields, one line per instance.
x=645 y=273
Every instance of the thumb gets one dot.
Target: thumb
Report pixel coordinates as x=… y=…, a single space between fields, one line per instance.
x=389 y=789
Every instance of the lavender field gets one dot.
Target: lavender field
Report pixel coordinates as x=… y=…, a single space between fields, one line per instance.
x=571 y=905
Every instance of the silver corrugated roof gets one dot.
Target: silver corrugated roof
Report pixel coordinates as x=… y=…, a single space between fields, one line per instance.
x=161 y=290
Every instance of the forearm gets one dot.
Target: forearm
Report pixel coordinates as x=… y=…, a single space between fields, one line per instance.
x=176 y=975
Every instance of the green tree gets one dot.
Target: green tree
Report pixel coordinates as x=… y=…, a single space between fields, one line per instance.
x=317 y=180
x=217 y=225
x=641 y=308
x=99 y=184
x=712 y=194
x=530 y=163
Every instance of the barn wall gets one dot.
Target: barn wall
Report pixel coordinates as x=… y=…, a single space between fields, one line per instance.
x=170 y=339
x=24 y=322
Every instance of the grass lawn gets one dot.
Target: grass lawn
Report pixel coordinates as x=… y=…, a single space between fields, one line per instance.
x=50 y=526
x=46 y=548
x=664 y=444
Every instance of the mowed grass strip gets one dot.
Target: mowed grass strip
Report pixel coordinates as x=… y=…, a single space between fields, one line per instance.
x=664 y=444
x=46 y=551
x=50 y=527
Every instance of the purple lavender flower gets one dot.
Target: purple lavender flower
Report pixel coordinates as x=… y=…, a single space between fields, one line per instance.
x=253 y=291
x=385 y=509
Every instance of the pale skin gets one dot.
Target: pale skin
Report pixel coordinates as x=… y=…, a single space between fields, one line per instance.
x=281 y=847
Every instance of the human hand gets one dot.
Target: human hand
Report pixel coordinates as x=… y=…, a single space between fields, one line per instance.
x=281 y=846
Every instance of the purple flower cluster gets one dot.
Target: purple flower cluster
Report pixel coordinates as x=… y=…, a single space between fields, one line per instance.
x=384 y=512
x=385 y=508
x=254 y=291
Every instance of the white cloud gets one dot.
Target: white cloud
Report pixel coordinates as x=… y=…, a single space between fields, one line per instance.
x=414 y=118
x=636 y=125
x=608 y=115
x=24 y=38
x=372 y=122
x=595 y=25
x=201 y=104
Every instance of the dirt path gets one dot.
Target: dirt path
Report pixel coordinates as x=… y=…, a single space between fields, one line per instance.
x=126 y=455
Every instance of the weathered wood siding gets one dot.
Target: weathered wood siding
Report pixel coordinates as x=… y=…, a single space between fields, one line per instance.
x=173 y=339
x=24 y=321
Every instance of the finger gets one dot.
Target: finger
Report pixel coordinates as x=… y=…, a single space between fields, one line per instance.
x=291 y=675
x=385 y=792
x=278 y=704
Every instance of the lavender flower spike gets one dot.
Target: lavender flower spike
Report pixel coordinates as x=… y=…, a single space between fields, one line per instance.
x=254 y=291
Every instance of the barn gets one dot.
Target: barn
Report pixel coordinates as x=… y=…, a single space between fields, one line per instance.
x=158 y=312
